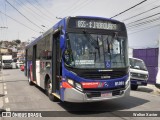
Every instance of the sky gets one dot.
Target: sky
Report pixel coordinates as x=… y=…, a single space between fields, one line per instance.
x=27 y=19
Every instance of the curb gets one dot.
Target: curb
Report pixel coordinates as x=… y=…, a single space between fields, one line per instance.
x=150 y=88
x=156 y=90
x=1 y=93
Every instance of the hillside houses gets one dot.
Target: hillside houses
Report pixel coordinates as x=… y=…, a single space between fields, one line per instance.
x=14 y=48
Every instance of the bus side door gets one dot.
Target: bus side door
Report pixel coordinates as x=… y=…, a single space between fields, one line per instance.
x=56 y=63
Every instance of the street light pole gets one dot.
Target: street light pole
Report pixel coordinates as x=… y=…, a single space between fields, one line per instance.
x=59 y=18
x=3 y=27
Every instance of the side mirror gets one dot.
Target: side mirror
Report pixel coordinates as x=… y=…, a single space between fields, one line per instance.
x=62 y=41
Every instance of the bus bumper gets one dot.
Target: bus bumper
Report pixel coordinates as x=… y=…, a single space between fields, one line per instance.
x=73 y=95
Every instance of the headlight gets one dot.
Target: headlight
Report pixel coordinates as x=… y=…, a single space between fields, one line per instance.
x=71 y=82
x=75 y=84
x=146 y=76
x=78 y=86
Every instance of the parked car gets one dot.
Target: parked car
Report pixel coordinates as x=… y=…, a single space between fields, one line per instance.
x=19 y=63
x=138 y=72
x=22 y=68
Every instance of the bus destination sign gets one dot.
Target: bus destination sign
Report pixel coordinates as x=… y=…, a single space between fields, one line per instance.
x=96 y=24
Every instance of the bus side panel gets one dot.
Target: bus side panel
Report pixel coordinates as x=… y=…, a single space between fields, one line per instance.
x=29 y=63
x=38 y=72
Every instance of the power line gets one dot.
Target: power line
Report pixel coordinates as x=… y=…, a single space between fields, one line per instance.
x=82 y=6
x=147 y=28
x=36 y=13
x=39 y=10
x=129 y=9
x=2 y=20
x=65 y=10
x=141 y=13
x=148 y=4
x=31 y=11
x=6 y=30
x=43 y=7
x=18 y=22
x=73 y=7
x=23 y=15
x=143 y=23
x=143 y=18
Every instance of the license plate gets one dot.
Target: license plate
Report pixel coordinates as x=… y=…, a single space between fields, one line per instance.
x=139 y=83
x=106 y=94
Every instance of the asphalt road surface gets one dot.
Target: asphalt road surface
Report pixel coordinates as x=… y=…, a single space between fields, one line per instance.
x=18 y=95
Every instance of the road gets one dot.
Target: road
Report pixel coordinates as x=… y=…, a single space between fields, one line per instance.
x=18 y=95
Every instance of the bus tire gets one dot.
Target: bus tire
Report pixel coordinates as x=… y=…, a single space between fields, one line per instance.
x=134 y=87
x=48 y=90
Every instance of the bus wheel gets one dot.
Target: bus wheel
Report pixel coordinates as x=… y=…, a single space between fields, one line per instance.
x=29 y=80
x=134 y=87
x=48 y=91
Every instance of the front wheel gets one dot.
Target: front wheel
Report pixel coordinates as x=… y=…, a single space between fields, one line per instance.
x=48 y=91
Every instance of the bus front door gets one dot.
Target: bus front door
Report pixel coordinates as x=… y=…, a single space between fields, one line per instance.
x=56 y=63
x=34 y=63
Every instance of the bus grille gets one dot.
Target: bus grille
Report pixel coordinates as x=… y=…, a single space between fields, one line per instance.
x=102 y=75
x=98 y=93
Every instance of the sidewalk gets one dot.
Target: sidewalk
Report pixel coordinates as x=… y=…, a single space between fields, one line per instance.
x=155 y=90
x=1 y=93
x=150 y=88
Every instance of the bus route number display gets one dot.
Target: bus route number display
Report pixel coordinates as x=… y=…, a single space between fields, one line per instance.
x=96 y=25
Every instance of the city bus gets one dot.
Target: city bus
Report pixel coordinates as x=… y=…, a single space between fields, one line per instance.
x=81 y=59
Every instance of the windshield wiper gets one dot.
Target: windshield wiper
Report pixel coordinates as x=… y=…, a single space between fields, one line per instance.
x=93 y=42
x=91 y=39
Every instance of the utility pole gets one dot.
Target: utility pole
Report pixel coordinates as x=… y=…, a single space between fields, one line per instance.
x=59 y=18
x=2 y=27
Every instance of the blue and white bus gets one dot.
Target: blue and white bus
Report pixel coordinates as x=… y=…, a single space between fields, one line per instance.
x=81 y=59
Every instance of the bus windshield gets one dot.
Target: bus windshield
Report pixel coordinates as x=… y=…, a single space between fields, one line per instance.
x=137 y=64
x=85 y=50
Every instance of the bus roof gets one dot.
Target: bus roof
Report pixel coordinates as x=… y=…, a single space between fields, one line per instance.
x=63 y=22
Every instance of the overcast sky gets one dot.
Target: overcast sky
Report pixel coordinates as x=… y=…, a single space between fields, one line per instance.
x=40 y=13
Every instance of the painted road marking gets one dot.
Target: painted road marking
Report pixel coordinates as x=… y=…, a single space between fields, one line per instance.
x=4 y=84
x=5 y=92
x=5 y=87
x=8 y=109
x=6 y=100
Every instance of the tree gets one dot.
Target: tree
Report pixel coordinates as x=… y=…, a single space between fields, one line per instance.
x=18 y=41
